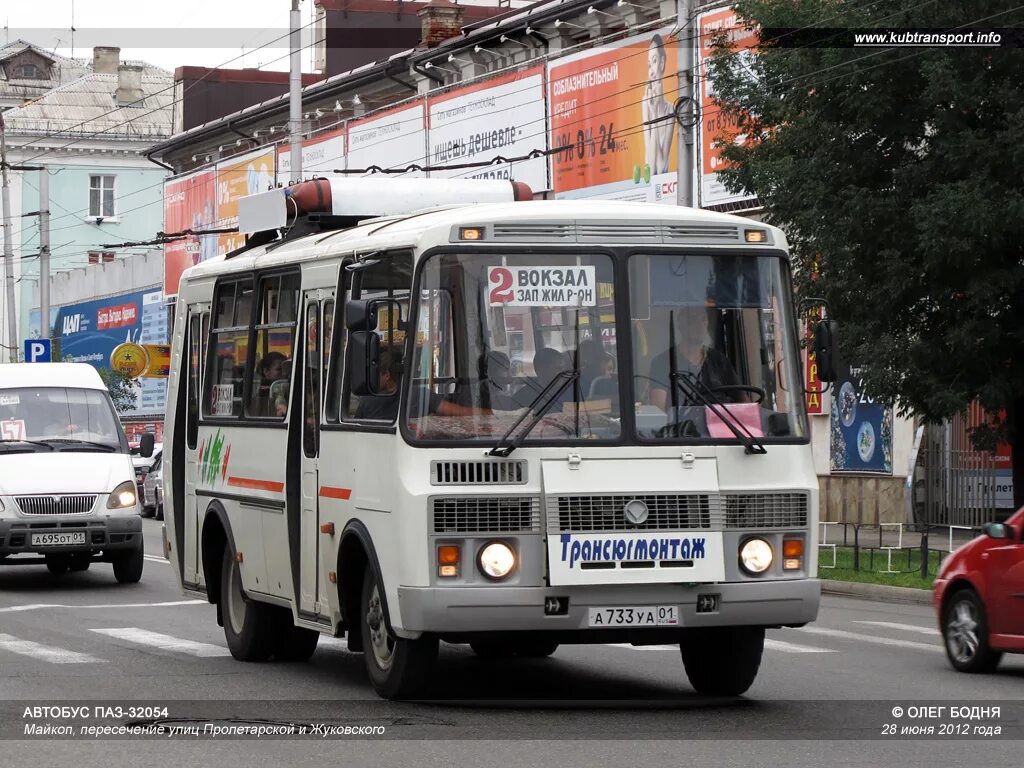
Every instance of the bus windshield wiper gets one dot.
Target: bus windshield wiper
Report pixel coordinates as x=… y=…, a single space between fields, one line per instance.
x=75 y=441
x=29 y=442
x=545 y=398
x=692 y=387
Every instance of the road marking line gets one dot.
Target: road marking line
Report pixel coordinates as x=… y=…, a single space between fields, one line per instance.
x=46 y=652
x=905 y=627
x=163 y=642
x=840 y=633
x=643 y=647
x=158 y=559
x=780 y=645
x=41 y=606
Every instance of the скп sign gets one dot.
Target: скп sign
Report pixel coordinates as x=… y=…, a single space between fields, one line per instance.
x=541 y=286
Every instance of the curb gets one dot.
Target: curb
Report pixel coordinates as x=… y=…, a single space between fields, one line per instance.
x=881 y=592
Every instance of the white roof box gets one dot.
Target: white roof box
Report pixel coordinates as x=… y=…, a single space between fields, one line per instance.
x=367 y=197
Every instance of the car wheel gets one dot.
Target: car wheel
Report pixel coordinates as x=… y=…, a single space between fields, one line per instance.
x=251 y=628
x=398 y=668
x=147 y=512
x=128 y=565
x=965 y=632
x=79 y=563
x=722 y=661
x=57 y=564
x=159 y=514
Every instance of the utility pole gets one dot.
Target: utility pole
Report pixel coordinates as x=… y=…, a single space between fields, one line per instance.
x=295 y=94
x=685 y=114
x=44 y=253
x=12 y=315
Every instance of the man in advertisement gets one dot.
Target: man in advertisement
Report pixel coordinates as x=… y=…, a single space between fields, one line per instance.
x=659 y=126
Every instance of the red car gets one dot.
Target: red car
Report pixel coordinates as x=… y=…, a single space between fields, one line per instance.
x=979 y=597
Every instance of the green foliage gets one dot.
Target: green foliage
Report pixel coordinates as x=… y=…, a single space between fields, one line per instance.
x=897 y=175
x=121 y=388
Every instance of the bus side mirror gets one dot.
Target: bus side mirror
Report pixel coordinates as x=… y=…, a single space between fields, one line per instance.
x=364 y=363
x=147 y=440
x=826 y=343
x=361 y=315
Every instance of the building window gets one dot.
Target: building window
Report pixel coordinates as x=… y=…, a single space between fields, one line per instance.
x=101 y=196
x=28 y=72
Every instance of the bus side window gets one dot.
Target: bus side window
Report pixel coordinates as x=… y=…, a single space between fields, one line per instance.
x=229 y=353
x=194 y=356
x=391 y=279
x=275 y=340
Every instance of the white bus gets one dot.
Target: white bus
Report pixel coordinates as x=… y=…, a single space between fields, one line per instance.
x=508 y=424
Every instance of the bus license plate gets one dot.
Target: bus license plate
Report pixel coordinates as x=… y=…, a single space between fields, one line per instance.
x=58 y=539
x=646 y=616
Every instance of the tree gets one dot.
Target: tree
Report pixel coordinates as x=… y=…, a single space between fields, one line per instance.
x=896 y=174
x=121 y=388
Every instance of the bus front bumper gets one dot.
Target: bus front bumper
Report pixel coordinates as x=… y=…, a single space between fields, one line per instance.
x=447 y=610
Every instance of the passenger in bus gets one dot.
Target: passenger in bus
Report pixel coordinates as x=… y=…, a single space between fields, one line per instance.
x=695 y=354
x=384 y=405
x=547 y=364
x=492 y=387
x=592 y=363
x=270 y=370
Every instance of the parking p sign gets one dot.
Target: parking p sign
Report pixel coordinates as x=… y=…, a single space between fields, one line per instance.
x=37 y=350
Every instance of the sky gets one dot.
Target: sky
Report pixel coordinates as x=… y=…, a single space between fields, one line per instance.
x=168 y=34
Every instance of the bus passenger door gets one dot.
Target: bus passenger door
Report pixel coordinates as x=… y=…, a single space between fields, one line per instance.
x=309 y=526
x=198 y=329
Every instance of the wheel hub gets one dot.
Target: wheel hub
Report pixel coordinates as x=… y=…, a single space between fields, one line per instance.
x=380 y=640
x=962 y=632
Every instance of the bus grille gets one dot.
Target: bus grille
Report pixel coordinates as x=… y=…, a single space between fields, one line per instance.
x=684 y=511
x=56 y=505
x=765 y=510
x=477 y=472
x=485 y=514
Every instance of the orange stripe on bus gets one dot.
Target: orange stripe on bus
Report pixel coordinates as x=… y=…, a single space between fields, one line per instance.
x=255 y=484
x=330 y=492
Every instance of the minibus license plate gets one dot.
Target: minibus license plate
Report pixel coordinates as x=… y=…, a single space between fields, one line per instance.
x=58 y=539
x=645 y=616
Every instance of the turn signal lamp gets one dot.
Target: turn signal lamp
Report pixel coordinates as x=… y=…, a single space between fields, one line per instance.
x=448 y=556
x=792 y=554
x=755 y=236
x=471 y=233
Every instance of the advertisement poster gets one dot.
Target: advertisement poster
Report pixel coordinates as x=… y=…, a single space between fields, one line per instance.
x=715 y=126
x=189 y=203
x=392 y=139
x=861 y=429
x=321 y=155
x=613 y=109
x=89 y=331
x=238 y=177
x=503 y=117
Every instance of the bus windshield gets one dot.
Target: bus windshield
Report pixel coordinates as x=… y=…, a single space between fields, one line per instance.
x=500 y=337
x=714 y=340
x=58 y=418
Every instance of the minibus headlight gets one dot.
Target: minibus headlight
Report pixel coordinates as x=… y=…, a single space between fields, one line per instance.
x=496 y=560
x=123 y=496
x=756 y=556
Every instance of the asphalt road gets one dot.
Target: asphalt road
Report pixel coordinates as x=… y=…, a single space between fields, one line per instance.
x=825 y=693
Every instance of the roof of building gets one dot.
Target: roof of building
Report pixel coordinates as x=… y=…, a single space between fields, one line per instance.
x=63 y=70
x=88 y=106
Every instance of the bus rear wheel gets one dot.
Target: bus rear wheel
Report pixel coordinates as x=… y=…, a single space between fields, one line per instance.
x=722 y=661
x=398 y=668
x=250 y=627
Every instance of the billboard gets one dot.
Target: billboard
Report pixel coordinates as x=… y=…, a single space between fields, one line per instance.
x=612 y=108
x=90 y=330
x=238 y=177
x=714 y=126
x=503 y=117
x=320 y=156
x=391 y=139
x=861 y=430
x=189 y=203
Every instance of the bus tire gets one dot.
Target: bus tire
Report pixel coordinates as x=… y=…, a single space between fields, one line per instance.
x=250 y=627
x=295 y=643
x=722 y=661
x=57 y=564
x=128 y=565
x=398 y=668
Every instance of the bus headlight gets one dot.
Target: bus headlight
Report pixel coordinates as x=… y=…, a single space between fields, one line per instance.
x=123 y=496
x=756 y=556
x=496 y=560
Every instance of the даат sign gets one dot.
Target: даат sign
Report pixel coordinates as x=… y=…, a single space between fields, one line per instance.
x=190 y=202
x=612 y=110
x=500 y=117
x=237 y=178
x=394 y=138
x=715 y=126
x=861 y=430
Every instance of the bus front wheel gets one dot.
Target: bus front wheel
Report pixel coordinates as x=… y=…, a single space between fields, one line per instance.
x=722 y=661
x=250 y=627
x=398 y=668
